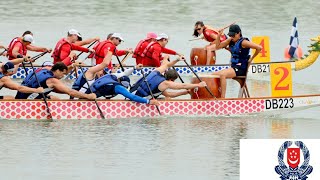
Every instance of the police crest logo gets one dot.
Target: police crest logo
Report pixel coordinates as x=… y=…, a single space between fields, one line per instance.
x=293 y=170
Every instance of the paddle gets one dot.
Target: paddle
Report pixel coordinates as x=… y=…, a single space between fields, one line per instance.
x=74 y=69
x=145 y=80
x=3 y=52
x=200 y=79
x=122 y=61
x=87 y=47
x=118 y=60
x=101 y=114
x=25 y=69
x=224 y=27
x=33 y=58
x=44 y=97
x=196 y=39
x=39 y=55
x=177 y=73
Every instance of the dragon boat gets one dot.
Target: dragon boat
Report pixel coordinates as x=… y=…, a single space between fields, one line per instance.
x=87 y=109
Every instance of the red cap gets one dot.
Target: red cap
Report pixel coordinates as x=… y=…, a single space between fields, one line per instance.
x=151 y=35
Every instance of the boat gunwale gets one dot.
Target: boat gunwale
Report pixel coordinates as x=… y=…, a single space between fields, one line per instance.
x=213 y=65
x=161 y=100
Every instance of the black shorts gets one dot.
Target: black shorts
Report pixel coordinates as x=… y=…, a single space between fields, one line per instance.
x=1 y=97
x=239 y=71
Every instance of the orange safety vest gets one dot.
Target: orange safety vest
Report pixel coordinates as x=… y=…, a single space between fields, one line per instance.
x=11 y=46
x=57 y=50
x=207 y=32
x=149 y=50
x=138 y=50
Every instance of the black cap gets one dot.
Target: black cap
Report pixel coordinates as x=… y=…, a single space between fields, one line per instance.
x=9 y=66
x=125 y=81
x=233 y=30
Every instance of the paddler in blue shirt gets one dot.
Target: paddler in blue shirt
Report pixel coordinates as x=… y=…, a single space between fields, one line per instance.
x=110 y=85
x=50 y=80
x=161 y=79
x=240 y=55
x=8 y=69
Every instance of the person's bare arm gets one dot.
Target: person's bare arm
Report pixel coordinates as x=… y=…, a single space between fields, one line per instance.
x=8 y=83
x=17 y=61
x=38 y=49
x=248 y=44
x=20 y=60
x=220 y=45
x=86 y=41
x=59 y=87
x=93 y=70
x=108 y=58
x=174 y=94
x=3 y=47
x=166 y=64
x=173 y=85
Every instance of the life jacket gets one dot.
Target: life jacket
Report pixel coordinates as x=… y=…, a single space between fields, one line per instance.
x=138 y=50
x=153 y=79
x=80 y=83
x=239 y=54
x=12 y=45
x=147 y=52
x=207 y=32
x=1 y=76
x=99 y=49
x=57 y=50
x=135 y=86
x=105 y=86
x=31 y=81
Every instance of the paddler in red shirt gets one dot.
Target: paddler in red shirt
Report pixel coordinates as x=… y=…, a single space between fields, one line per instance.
x=64 y=50
x=19 y=46
x=151 y=37
x=107 y=46
x=152 y=54
x=210 y=35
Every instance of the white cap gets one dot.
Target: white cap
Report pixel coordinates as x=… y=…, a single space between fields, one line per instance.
x=117 y=35
x=47 y=63
x=73 y=31
x=162 y=36
x=28 y=38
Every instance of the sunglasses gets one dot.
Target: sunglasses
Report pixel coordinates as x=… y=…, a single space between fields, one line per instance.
x=118 y=39
x=198 y=29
